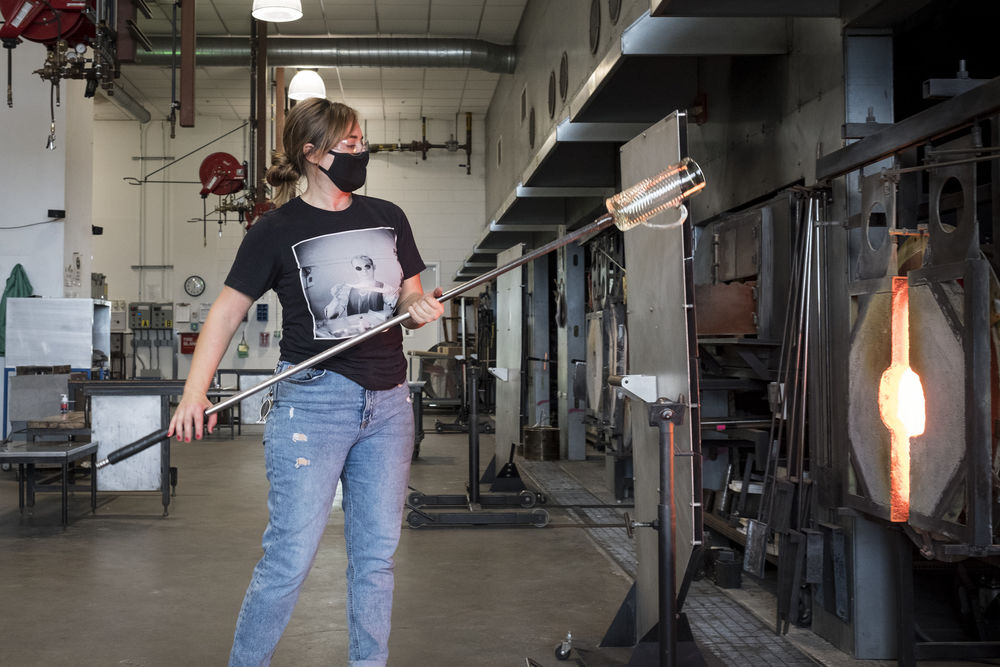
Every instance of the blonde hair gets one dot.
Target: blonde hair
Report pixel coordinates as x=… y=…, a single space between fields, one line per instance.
x=316 y=121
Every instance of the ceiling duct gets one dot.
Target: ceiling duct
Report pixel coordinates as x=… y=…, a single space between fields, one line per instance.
x=343 y=52
x=127 y=103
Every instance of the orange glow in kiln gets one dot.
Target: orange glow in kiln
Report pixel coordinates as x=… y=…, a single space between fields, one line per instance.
x=901 y=403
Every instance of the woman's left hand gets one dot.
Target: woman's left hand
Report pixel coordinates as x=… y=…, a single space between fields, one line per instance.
x=427 y=308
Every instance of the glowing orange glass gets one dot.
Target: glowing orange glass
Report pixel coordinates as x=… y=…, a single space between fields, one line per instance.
x=901 y=403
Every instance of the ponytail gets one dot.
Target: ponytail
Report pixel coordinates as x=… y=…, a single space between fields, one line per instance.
x=283 y=176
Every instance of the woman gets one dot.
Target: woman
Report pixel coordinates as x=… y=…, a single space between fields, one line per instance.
x=350 y=419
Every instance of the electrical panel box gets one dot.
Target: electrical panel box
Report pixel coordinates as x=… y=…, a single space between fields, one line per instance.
x=162 y=316
x=140 y=315
x=118 y=320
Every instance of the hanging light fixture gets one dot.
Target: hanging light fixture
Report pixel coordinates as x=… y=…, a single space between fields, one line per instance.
x=305 y=84
x=277 y=11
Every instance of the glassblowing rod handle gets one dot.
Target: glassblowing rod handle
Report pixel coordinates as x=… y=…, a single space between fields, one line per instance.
x=134 y=448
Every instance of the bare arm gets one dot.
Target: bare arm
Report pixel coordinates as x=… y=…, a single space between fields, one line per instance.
x=423 y=308
x=223 y=319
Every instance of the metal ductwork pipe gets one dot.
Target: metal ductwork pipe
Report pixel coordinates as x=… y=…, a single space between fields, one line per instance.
x=127 y=103
x=343 y=52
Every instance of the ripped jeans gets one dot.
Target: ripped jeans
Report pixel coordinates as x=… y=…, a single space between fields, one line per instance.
x=321 y=428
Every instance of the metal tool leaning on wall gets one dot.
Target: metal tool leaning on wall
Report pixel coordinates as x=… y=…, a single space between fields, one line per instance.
x=627 y=209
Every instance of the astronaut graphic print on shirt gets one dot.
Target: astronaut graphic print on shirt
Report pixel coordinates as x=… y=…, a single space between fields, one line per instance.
x=350 y=280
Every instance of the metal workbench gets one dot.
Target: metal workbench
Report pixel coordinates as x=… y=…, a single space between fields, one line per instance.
x=65 y=454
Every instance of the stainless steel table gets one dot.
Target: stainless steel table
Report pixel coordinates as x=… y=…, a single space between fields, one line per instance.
x=65 y=454
x=122 y=411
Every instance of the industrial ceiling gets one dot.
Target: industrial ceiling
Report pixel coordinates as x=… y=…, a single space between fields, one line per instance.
x=377 y=92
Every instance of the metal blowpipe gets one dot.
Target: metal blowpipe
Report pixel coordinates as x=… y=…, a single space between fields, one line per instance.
x=625 y=210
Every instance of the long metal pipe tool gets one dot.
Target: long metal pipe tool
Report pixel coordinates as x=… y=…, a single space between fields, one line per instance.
x=627 y=209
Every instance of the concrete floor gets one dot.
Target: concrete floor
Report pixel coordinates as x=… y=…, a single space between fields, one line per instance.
x=127 y=587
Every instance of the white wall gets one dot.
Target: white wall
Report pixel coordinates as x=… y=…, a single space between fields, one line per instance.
x=146 y=227
x=79 y=184
x=32 y=177
x=33 y=181
x=149 y=225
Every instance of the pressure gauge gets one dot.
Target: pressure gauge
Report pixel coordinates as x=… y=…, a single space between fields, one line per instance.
x=194 y=285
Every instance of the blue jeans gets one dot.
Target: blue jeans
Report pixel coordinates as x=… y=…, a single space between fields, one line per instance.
x=321 y=428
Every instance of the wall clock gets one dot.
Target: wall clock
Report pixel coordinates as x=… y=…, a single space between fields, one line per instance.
x=194 y=285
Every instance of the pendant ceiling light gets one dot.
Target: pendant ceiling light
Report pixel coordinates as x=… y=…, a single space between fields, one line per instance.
x=305 y=84
x=277 y=11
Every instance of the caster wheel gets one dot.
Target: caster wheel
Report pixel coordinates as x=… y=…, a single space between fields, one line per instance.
x=5 y=466
x=563 y=651
x=414 y=520
x=415 y=499
x=487 y=428
x=539 y=518
x=438 y=427
x=527 y=499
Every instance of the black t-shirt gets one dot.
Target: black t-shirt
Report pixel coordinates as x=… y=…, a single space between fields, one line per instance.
x=337 y=274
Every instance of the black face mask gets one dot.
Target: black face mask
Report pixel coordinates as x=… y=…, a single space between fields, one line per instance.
x=348 y=172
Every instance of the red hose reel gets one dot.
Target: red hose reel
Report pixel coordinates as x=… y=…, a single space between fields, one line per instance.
x=259 y=209
x=220 y=174
x=47 y=22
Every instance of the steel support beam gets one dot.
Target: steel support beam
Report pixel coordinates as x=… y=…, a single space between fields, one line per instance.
x=188 y=36
x=742 y=8
x=568 y=131
x=259 y=121
x=699 y=36
x=946 y=116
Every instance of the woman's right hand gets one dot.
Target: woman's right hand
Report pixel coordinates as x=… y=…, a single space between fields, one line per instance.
x=189 y=418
